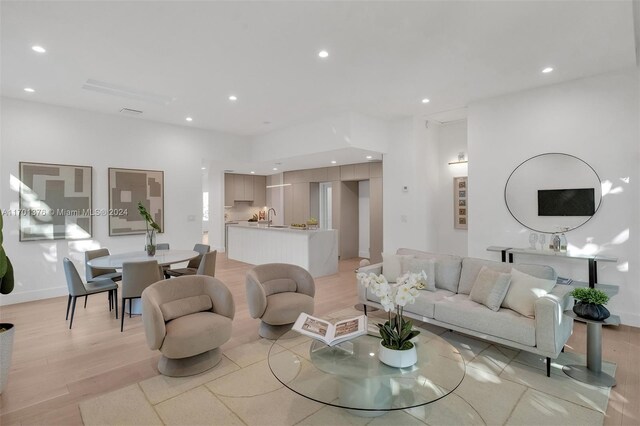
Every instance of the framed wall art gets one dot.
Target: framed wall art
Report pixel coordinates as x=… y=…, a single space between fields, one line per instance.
x=55 y=201
x=460 y=202
x=127 y=187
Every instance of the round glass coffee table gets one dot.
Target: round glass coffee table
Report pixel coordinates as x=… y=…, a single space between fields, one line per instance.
x=349 y=375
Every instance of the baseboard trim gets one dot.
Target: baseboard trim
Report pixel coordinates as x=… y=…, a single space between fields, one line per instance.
x=30 y=296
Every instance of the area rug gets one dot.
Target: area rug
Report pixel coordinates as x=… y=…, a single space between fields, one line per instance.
x=501 y=386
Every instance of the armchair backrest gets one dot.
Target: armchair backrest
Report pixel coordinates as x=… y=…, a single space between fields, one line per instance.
x=74 y=282
x=91 y=273
x=136 y=276
x=282 y=277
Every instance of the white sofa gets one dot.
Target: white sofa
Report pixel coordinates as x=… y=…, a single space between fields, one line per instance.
x=451 y=307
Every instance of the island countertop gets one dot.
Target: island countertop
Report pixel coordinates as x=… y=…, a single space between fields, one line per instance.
x=316 y=250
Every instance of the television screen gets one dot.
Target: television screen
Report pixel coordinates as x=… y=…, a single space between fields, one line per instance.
x=566 y=202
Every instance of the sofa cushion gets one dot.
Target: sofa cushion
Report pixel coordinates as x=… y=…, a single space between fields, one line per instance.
x=428 y=266
x=188 y=305
x=463 y=312
x=523 y=292
x=471 y=267
x=447 y=267
x=393 y=266
x=490 y=288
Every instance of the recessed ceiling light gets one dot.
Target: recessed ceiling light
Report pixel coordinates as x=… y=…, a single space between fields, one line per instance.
x=368 y=157
x=333 y=161
x=204 y=168
x=323 y=54
x=547 y=70
x=252 y=172
x=189 y=119
x=38 y=49
x=425 y=101
x=29 y=89
x=275 y=168
x=233 y=98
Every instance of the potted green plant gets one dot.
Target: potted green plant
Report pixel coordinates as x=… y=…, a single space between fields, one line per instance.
x=7 y=330
x=590 y=303
x=396 y=348
x=152 y=227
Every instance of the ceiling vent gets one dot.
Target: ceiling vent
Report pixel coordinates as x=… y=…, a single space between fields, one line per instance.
x=126 y=92
x=129 y=111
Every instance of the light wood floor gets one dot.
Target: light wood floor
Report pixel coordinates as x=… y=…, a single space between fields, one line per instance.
x=55 y=368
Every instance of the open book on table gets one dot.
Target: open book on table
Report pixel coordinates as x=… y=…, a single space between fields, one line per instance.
x=331 y=334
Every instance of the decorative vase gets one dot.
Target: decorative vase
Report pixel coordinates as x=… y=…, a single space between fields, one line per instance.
x=151 y=242
x=6 y=350
x=591 y=311
x=397 y=358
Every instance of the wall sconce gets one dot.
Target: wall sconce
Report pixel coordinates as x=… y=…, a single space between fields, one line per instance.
x=461 y=159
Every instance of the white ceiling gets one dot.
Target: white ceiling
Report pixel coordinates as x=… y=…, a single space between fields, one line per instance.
x=384 y=56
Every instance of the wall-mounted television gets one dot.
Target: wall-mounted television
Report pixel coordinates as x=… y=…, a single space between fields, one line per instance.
x=566 y=202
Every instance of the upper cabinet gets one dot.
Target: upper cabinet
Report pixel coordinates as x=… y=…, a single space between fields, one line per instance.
x=245 y=188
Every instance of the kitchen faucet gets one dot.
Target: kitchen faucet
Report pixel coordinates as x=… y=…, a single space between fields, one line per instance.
x=269 y=216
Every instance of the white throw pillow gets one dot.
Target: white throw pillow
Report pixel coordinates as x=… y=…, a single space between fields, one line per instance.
x=523 y=292
x=417 y=265
x=490 y=288
x=393 y=265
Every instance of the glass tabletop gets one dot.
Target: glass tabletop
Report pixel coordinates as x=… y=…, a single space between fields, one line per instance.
x=350 y=375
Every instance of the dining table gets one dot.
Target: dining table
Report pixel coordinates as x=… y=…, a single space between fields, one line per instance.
x=163 y=257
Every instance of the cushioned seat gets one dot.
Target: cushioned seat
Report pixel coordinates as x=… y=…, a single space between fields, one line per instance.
x=284 y=308
x=424 y=304
x=187 y=319
x=507 y=324
x=278 y=293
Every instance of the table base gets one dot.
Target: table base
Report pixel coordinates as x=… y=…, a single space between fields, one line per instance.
x=583 y=374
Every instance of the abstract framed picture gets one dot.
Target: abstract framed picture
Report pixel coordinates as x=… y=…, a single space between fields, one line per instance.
x=127 y=187
x=460 y=202
x=55 y=201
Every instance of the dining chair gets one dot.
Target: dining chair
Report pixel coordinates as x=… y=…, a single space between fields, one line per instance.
x=192 y=266
x=164 y=246
x=136 y=276
x=79 y=289
x=95 y=274
x=208 y=264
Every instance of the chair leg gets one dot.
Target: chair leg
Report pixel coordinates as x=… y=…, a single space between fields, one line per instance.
x=365 y=309
x=548 y=367
x=85 y=301
x=68 y=306
x=73 y=311
x=110 y=296
x=115 y=301
x=122 y=318
x=130 y=307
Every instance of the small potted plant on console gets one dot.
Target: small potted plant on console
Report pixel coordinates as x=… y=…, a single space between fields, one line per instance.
x=590 y=303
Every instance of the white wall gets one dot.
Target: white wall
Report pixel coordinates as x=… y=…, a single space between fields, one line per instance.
x=51 y=134
x=452 y=140
x=595 y=119
x=412 y=161
x=363 y=218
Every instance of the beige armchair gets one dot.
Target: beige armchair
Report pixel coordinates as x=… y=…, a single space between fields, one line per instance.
x=278 y=293
x=187 y=319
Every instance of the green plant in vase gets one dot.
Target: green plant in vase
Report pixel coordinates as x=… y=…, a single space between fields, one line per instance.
x=396 y=347
x=590 y=303
x=152 y=228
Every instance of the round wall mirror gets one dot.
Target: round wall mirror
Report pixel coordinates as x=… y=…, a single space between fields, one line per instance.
x=553 y=191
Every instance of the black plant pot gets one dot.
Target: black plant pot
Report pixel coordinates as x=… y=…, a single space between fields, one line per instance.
x=591 y=311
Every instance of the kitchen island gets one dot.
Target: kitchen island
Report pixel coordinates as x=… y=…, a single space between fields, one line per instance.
x=314 y=250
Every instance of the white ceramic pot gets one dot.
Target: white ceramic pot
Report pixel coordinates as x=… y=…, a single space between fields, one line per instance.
x=396 y=358
x=6 y=350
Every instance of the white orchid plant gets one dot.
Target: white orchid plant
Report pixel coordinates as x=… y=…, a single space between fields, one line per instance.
x=397 y=332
